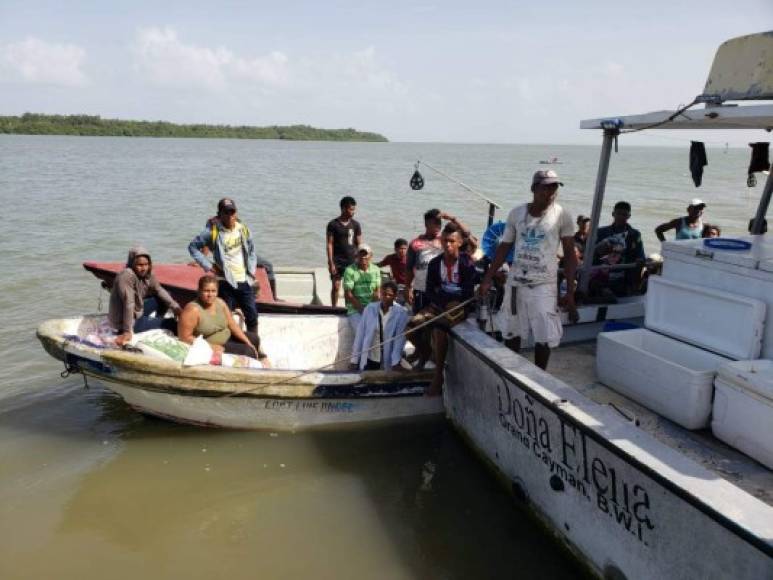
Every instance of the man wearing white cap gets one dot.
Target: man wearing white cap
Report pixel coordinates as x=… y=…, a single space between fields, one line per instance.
x=537 y=229
x=689 y=227
x=362 y=281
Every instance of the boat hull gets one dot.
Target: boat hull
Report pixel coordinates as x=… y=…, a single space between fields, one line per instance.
x=273 y=413
x=622 y=501
x=270 y=399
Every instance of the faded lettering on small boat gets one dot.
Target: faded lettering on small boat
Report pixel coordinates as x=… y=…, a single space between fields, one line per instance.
x=319 y=406
x=567 y=453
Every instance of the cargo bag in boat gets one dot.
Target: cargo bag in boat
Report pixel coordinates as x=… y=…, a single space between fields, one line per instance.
x=669 y=366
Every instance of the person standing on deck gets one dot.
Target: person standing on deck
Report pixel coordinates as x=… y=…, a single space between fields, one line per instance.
x=536 y=229
x=343 y=235
x=233 y=260
x=689 y=227
x=422 y=250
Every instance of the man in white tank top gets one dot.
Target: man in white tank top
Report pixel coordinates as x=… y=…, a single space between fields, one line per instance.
x=536 y=229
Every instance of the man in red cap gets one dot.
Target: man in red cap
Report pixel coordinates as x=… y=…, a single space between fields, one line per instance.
x=536 y=229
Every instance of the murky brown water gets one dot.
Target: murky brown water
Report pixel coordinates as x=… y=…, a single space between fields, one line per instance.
x=90 y=489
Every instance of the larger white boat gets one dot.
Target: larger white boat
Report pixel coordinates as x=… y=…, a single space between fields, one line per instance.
x=648 y=452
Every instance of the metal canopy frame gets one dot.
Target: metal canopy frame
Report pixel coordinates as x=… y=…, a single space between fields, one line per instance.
x=711 y=117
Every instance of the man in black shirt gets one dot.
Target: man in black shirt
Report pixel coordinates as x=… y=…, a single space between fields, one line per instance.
x=343 y=236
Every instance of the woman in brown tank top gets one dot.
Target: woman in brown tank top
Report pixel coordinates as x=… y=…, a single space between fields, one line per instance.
x=209 y=317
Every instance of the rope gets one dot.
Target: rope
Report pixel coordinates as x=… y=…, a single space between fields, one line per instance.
x=664 y=122
x=350 y=355
x=459 y=183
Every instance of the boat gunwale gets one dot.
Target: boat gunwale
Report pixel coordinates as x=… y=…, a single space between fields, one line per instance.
x=760 y=543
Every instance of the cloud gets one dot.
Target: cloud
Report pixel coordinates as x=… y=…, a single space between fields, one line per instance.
x=162 y=58
x=35 y=61
x=165 y=60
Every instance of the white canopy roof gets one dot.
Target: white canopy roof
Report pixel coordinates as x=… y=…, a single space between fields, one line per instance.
x=716 y=117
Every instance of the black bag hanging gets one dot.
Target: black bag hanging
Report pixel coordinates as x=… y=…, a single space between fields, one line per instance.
x=759 y=160
x=417 y=181
x=697 y=161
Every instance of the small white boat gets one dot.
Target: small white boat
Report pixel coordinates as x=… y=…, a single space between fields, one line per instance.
x=289 y=396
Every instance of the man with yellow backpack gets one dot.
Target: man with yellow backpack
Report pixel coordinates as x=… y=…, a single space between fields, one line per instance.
x=233 y=259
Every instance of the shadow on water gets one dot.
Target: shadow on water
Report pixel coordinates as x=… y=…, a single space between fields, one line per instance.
x=398 y=500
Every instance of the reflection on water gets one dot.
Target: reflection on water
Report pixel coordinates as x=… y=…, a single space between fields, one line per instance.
x=90 y=489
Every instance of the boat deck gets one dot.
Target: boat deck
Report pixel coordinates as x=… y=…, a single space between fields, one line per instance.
x=574 y=364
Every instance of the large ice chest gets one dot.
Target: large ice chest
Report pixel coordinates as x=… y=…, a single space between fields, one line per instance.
x=748 y=273
x=743 y=408
x=669 y=366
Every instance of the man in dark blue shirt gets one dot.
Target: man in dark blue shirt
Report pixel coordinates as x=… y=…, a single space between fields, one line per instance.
x=621 y=235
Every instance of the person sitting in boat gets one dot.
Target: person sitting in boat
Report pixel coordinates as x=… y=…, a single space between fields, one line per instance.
x=397 y=262
x=362 y=281
x=711 y=231
x=380 y=337
x=620 y=243
x=233 y=260
x=689 y=227
x=451 y=278
x=136 y=293
x=583 y=228
x=210 y=317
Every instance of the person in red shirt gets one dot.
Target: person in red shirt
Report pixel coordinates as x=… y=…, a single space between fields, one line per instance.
x=397 y=262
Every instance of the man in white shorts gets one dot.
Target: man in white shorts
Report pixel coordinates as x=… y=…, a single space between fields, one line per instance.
x=531 y=299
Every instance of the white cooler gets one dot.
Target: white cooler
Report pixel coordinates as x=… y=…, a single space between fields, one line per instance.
x=747 y=273
x=669 y=366
x=743 y=408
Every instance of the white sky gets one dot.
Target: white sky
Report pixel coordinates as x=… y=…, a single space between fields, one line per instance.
x=482 y=72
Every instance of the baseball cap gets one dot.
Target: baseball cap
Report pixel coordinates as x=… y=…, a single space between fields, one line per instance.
x=545 y=177
x=226 y=205
x=695 y=202
x=364 y=248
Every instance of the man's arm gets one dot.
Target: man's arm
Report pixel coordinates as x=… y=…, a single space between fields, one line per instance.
x=499 y=258
x=203 y=240
x=125 y=289
x=662 y=228
x=570 y=266
x=252 y=257
x=465 y=231
x=330 y=263
x=410 y=265
x=358 y=234
x=163 y=295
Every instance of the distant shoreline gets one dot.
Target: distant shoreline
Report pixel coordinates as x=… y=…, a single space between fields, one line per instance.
x=95 y=126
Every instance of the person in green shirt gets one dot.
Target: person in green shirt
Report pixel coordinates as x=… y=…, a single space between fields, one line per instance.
x=362 y=281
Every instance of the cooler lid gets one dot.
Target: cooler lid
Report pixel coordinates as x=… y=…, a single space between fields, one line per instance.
x=751 y=375
x=696 y=248
x=721 y=322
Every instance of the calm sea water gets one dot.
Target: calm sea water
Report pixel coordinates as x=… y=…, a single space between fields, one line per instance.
x=89 y=489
